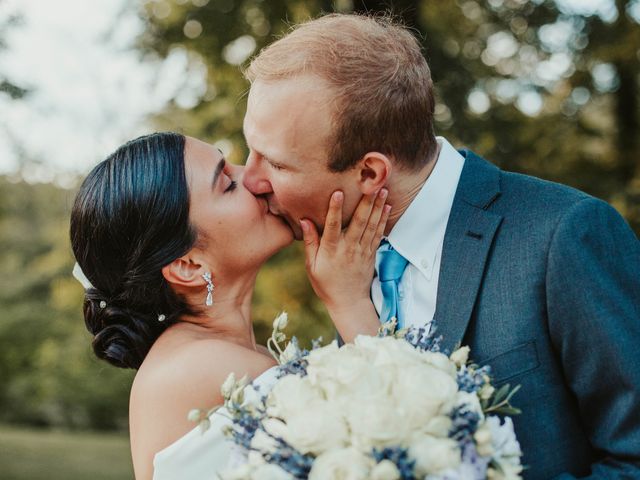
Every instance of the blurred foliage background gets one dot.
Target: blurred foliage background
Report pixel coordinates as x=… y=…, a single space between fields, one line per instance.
x=540 y=87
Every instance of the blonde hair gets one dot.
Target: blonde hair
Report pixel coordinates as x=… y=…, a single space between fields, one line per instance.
x=378 y=77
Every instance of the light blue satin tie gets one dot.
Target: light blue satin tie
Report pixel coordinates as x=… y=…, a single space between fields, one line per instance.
x=390 y=266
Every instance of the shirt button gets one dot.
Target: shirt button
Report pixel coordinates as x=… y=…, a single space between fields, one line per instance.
x=424 y=263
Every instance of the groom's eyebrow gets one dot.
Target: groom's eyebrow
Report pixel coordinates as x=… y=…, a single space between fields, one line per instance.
x=218 y=171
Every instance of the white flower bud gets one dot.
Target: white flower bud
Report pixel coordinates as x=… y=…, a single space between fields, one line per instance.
x=205 y=424
x=194 y=415
x=460 y=356
x=281 y=321
x=483 y=441
x=244 y=381
x=237 y=396
x=228 y=385
x=486 y=391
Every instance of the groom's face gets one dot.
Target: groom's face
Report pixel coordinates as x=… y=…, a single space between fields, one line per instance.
x=287 y=126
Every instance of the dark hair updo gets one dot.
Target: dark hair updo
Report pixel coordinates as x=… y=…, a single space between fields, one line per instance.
x=130 y=219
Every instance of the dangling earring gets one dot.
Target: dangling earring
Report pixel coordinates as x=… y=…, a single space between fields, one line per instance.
x=207 y=278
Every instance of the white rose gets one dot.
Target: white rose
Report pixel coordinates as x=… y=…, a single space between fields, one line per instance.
x=270 y=472
x=377 y=424
x=438 y=426
x=389 y=351
x=334 y=370
x=441 y=362
x=372 y=385
x=385 y=470
x=423 y=391
x=434 y=455
x=342 y=464
x=290 y=394
x=460 y=356
x=317 y=355
x=317 y=428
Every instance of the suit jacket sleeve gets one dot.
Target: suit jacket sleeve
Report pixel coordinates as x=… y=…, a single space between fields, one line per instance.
x=593 y=304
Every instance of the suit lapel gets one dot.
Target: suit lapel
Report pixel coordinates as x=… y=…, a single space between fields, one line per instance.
x=467 y=242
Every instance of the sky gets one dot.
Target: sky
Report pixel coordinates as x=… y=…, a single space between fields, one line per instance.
x=91 y=89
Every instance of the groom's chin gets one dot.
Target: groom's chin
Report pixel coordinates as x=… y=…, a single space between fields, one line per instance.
x=297 y=231
x=293 y=226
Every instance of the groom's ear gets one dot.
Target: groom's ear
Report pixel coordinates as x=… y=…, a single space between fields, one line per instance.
x=374 y=170
x=184 y=271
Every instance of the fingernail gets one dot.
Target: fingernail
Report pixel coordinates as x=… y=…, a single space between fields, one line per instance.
x=383 y=193
x=387 y=208
x=304 y=225
x=337 y=196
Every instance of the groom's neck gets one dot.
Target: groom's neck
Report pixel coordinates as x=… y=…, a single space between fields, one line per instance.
x=403 y=188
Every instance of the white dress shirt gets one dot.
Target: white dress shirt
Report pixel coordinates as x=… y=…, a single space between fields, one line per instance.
x=418 y=236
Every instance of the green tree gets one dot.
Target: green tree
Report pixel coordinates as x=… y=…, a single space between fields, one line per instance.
x=48 y=373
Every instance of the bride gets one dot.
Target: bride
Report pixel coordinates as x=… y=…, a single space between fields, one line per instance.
x=170 y=244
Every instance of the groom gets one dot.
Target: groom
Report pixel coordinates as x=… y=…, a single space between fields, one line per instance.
x=540 y=280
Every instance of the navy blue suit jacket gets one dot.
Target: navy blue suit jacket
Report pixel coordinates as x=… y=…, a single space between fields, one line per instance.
x=543 y=283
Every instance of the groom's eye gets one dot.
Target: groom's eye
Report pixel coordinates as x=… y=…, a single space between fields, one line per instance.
x=275 y=166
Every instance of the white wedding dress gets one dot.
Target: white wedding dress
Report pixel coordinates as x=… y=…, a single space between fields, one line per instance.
x=201 y=455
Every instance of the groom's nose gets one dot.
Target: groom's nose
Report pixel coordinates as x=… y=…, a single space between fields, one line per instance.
x=255 y=179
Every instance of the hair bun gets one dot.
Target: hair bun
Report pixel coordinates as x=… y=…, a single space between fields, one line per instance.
x=120 y=336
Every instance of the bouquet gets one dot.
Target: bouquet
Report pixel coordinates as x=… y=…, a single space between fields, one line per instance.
x=387 y=407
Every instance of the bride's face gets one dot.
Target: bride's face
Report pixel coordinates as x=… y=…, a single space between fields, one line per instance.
x=236 y=230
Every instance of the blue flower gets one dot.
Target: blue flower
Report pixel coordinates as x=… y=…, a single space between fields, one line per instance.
x=400 y=457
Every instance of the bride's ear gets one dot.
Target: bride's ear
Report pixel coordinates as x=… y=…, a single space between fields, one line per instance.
x=373 y=172
x=185 y=272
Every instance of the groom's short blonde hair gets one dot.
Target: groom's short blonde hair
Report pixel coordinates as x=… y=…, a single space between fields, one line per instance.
x=378 y=77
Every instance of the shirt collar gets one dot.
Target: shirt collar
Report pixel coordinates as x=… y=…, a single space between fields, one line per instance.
x=419 y=232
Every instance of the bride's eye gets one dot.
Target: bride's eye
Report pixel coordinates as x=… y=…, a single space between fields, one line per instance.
x=231 y=187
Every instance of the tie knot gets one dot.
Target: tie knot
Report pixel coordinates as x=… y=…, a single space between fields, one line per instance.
x=391 y=264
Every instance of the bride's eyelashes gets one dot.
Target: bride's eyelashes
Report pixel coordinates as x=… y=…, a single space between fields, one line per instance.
x=232 y=186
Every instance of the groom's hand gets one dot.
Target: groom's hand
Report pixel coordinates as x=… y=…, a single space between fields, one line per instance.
x=340 y=264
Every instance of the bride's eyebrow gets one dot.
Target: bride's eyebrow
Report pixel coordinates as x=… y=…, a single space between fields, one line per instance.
x=217 y=173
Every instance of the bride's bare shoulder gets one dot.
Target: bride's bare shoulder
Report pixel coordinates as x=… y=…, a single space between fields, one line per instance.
x=194 y=370
x=181 y=373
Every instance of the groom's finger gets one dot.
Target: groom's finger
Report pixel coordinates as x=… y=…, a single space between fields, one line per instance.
x=311 y=241
x=333 y=222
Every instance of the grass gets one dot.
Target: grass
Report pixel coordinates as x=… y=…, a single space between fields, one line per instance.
x=51 y=455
